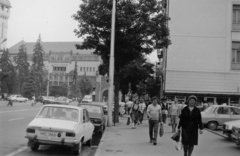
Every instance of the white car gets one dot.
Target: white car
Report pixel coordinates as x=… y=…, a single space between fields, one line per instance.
x=60 y=125
x=18 y=98
x=227 y=127
x=87 y=99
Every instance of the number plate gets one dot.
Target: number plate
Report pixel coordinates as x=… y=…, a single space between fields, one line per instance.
x=49 y=134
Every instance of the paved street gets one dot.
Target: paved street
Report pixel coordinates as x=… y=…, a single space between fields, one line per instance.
x=121 y=140
x=14 y=120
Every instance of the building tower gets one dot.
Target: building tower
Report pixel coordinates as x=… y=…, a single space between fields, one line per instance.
x=4 y=16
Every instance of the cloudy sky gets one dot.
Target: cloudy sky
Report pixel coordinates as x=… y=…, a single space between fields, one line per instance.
x=50 y=18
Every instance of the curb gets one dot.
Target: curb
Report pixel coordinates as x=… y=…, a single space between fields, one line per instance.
x=101 y=143
x=215 y=133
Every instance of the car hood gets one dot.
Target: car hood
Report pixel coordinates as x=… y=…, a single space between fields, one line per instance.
x=95 y=115
x=53 y=124
x=230 y=124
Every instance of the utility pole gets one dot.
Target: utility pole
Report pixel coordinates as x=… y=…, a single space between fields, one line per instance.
x=111 y=67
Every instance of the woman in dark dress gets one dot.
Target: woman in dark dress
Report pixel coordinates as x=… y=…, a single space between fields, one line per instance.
x=190 y=122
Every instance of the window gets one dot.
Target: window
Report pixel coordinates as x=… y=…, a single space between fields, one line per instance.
x=83 y=68
x=235 y=111
x=87 y=68
x=236 y=17
x=90 y=69
x=80 y=68
x=223 y=110
x=63 y=69
x=236 y=52
x=93 y=69
x=2 y=30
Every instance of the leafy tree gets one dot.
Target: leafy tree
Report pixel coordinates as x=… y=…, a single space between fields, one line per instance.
x=153 y=87
x=85 y=86
x=29 y=86
x=74 y=90
x=22 y=65
x=7 y=74
x=38 y=65
x=140 y=28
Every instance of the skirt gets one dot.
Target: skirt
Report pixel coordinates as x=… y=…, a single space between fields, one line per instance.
x=189 y=138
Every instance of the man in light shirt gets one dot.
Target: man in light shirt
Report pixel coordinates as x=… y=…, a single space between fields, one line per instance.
x=174 y=112
x=155 y=116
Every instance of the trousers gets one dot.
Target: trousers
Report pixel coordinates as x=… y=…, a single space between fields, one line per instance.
x=153 y=129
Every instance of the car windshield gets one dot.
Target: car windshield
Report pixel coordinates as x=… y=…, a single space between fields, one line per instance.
x=92 y=109
x=60 y=113
x=209 y=109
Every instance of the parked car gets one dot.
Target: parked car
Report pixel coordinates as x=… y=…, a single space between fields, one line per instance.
x=217 y=115
x=18 y=98
x=48 y=100
x=60 y=125
x=227 y=127
x=87 y=99
x=236 y=134
x=39 y=99
x=97 y=115
x=61 y=101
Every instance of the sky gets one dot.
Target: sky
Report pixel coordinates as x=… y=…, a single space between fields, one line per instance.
x=50 y=18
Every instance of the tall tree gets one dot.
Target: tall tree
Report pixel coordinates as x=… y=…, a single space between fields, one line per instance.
x=7 y=74
x=74 y=90
x=22 y=65
x=38 y=65
x=85 y=86
x=140 y=28
x=29 y=86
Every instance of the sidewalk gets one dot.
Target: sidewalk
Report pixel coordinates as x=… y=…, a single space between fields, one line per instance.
x=121 y=140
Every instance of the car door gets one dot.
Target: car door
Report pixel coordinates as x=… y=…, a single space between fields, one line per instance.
x=222 y=115
x=235 y=113
x=90 y=126
x=85 y=125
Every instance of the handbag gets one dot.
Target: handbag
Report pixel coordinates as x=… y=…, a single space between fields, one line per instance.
x=178 y=146
x=176 y=137
x=161 y=130
x=128 y=121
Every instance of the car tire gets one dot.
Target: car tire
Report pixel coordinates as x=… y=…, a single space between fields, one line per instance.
x=78 y=152
x=89 y=143
x=212 y=125
x=35 y=147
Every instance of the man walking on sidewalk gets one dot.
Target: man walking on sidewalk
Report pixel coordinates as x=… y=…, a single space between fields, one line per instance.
x=154 y=113
x=141 y=110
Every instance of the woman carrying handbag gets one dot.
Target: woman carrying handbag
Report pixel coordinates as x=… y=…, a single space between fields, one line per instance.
x=190 y=122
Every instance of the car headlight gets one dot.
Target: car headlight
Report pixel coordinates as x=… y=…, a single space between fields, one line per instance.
x=68 y=134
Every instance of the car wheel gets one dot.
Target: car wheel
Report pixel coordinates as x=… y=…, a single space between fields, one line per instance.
x=229 y=137
x=212 y=125
x=35 y=147
x=89 y=143
x=77 y=152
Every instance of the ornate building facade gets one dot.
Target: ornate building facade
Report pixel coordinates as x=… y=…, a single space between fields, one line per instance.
x=59 y=61
x=4 y=16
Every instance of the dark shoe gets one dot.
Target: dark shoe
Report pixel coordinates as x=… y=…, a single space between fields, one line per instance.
x=154 y=142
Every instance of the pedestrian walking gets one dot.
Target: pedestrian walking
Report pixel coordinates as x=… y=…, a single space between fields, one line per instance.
x=33 y=101
x=174 y=114
x=142 y=107
x=190 y=122
x=134 y=114
x=10 y=103
x=165 y=108
x=154 y=114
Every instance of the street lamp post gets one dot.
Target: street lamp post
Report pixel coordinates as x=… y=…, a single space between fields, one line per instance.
x=111 y=67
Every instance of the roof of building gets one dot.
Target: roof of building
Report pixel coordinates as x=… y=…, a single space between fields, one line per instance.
x=5 y=2
x=61 y=47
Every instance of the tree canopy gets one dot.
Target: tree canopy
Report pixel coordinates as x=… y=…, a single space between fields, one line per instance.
x=140 y=29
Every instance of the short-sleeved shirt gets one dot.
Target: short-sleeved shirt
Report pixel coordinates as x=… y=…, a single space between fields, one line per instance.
x=154 y=111
x=129 y=104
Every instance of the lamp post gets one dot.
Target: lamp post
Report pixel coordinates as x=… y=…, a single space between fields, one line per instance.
x=111 y=66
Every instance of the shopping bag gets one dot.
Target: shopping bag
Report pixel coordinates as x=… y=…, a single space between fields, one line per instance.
x=161 y=130
x=128 y=121
x=178 y=146
x=169 y=121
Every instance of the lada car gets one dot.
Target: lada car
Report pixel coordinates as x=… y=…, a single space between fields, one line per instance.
x=60 y=125
x=217 y=115
x=97 y=116
x=236 y=134
x=227 y=127
x=18 y=98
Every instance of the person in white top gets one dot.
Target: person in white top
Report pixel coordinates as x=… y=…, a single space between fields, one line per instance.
x=174 y=112
x=142 y=107
x=155 y=116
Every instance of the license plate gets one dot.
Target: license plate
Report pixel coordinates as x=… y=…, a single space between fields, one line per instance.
x=48 y=134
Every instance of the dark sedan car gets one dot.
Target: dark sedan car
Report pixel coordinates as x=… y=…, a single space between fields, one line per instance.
x=97 y=115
